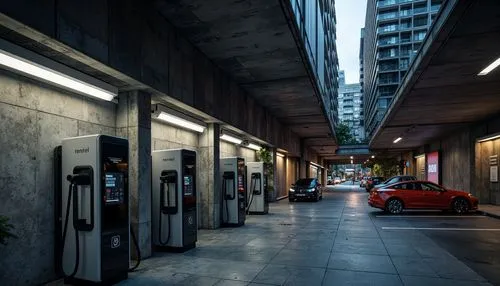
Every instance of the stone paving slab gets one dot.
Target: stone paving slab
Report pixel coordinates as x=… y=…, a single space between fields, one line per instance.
x=336 y=241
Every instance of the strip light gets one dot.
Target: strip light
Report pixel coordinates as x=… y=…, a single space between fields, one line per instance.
x=231 y=139
x=491 y=67
x=397 y=140
x=254 y=147
x=172 y=119
x=280 y=155
x=493 y=137
x=40 y=72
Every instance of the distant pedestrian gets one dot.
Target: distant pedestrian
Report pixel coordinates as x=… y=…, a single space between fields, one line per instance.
x=353 y=180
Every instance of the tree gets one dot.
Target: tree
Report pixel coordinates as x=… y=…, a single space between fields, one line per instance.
x=384 y=167
x=344 y=135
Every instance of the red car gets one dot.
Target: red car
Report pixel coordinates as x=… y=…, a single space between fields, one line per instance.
x=421 y=195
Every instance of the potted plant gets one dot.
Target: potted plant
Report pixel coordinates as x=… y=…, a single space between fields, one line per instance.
x=5 y=230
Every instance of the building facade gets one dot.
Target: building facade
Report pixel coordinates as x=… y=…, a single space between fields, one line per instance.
x=351 y=107
x=317 y=24
x=394 y=31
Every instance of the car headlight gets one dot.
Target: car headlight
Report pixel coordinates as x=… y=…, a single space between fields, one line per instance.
x=310 y=190
x=292 y=190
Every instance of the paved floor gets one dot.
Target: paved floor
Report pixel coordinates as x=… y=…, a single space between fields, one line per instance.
x=337 y=241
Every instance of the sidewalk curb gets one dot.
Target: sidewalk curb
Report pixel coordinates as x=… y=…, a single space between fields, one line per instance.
x=489 y=214
x=281 y=198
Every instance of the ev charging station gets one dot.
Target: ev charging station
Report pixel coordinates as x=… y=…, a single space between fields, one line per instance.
x=257 y=196
x=233 y=196
x=92 y=209
x=173 y=207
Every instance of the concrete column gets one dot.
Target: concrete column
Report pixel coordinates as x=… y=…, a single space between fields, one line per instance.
x=274 y=179
x=303 y=165
x=134 y=122
x=208 y=177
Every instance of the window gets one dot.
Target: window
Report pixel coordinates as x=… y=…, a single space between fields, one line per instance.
x=420 y=21
x=431 y=187
x=419 y=36
x=405 y=186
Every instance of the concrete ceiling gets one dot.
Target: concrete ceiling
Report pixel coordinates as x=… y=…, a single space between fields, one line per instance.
x=253 y=43
x=442 y=91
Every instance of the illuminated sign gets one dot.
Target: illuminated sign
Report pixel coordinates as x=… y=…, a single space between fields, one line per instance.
x=433 y=167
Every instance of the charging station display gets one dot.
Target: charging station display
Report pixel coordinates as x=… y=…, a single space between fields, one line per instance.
x=174 y=199
x=257 y=197
x=92 y=209
x=233 y=192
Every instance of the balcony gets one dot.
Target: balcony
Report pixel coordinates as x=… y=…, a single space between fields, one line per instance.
x=385 y=3
x=386 y=68
x=382 y=43
x=387 y=16
x=420 y=10
x=386 y=56
x=387 y=29
x=388 y=81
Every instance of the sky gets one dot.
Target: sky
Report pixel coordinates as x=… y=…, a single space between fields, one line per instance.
x=350 y=20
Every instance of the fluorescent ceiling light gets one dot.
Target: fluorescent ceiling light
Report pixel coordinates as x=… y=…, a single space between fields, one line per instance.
x=280 y=155
x=254 y=147
x=491 y=67
x=492 y=137
x=398 y=139
x=231 y=139
x=40 y=72
x=180 y=122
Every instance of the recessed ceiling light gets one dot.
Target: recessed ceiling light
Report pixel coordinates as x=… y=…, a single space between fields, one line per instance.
x=491 y=67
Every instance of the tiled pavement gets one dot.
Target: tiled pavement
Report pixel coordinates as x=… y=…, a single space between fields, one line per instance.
x=331 y=242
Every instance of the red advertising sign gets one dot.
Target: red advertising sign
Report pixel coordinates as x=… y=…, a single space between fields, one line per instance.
x=433 y=167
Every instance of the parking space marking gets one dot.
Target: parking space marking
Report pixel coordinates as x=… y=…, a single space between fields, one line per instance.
x=439 y=228
x=434 y=216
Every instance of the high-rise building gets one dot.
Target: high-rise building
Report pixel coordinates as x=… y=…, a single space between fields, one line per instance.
x=361 y=80
x=350 y=107
x=317 y=23
x=394 y=31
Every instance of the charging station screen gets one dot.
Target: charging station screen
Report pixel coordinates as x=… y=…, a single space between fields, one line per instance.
x=114 y=188
x=188 y=185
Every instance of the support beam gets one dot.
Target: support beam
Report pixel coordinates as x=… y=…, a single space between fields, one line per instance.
x=208 y=174
x=133 y=121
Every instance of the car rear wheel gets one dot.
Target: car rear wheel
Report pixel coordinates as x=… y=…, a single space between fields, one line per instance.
x=394 y=206
x=460 y=205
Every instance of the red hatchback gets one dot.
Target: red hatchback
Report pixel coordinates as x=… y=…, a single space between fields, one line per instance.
x=421 y=195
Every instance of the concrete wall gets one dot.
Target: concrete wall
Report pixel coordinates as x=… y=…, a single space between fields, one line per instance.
x=33 y=120
x=457 y=161
x=232 y=150
x=132 y=38
x=488 y=192
x=292 y=171
x=164 y=136
x=281 y=186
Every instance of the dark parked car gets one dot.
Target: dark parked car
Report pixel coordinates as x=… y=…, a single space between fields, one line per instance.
x=372 y=181
x=395 y=179
x=309 y=188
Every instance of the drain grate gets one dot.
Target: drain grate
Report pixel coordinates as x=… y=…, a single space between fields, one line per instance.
x=285 y=224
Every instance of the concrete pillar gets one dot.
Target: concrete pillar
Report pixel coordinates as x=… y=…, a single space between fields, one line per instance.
x=274 y=178
x=208 y=177
x=134 y=122
x=303 y=165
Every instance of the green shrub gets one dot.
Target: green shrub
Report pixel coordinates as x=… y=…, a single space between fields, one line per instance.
x=5 y=230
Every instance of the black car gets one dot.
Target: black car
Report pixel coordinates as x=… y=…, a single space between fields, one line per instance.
x=303 y=189
x=395 y=179
x=372 y=181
